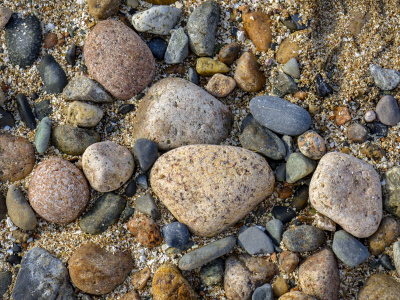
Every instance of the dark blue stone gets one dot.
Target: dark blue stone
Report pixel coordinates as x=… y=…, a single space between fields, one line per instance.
x=6 y=119
x=283 y=213
x=348 y=249
x=175 y=234
x=158 y=46
x=25 y=111
x=192 y=76
x=53 y=76
x=126 y=108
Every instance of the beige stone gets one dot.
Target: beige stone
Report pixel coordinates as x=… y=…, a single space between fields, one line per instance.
x=348 y=191
x=220 y=85
x=324 y=223
x=5 y=15
x=248 y=75
x=387 y=234
x=83 y=114
x=131 y=296
x=107 y=165
x=102 y=9
x=319 y=275
x=176 y=112
x=280 y=287
x=380 y=286
x=209 y=188
x=288 y=261
x=140 y=278
x=296 y=296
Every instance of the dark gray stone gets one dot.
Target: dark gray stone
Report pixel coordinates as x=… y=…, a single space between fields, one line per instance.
x=43 y=109
x=387 y=110
x=213 y=272
x=5 y=282
x=19 y=210
x=23 y=39
x=391 y=198
x=14 y=259
x=249 y=119
x=283 y=84
x=175 y=234
x=82 y=88
x=42 y=135
x=178 y=47
x=6 y=119
x=42 y=276
x=263 y=292
x=280 y=115
x=130 y=190
x=299 y=166
x=126 y=108
x=192 y=76
x=385 y=79
x=300 y=198
x=145 y=204
x=323 y=88
x=73 y=140
x=3 y=207
x=205 y=254
x=53 y=76
x=142 y=181
x=274 y=229
x=283 y=213
x=303 y=238
x=25 y=111
x=127 y=213
x=280 y=173
x=257 y=138
x=104 y=213
x=288 y=142
x=255 y=241
x=70 y=56
x=158 y=46
x=348 y=249
x=202 y=27
x=146 y=152
x=386 y=262
x=299 y=22
x=357 y=133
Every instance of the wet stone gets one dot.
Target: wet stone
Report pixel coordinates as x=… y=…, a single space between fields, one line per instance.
x=158 y=46
x=323 y=88
x=130 y=189
x=43 y=109
x=303 y=238
x=283 y=213
x=145 y=230
x=25 y=111
x=274 y=229
x=126 y=108
x=378 y=129
x=70 y=56
x=300 y=198
x=146 y=204
x=229 y=53
x=146 y=152
x=6 y=119
x=53 y=76
x=213 y=272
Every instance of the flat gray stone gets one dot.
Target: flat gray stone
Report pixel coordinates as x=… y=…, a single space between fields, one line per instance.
x=82 y=88
x=42 y=276
x=348 y=249
x=178 y=47
x=385 y=79
x=274 y=228
x=255 y=241
x=283 y=84
x=205 y=254
x=263 y=292
x=5 y=282
x=388 y=111
x=299 y=166
x=42 y=135
x=145 y=204
x=303 y=238
x=202 y=27
x=292 y=68
x=19 y=210
x=280 y=115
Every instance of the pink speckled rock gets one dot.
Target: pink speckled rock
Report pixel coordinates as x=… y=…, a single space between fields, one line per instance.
x=58 y=191
x=319 y=275
x=119 y=59
x=107 y=165
x=209 y=188
x=348 y=191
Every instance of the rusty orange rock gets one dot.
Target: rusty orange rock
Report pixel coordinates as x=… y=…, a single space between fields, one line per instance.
x=257 y=26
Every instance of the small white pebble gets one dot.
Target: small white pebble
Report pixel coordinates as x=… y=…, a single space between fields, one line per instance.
x=370 y=116
x=240 y=36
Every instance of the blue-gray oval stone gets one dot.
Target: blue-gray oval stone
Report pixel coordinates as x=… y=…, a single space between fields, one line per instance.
x=348 y=249
x=280 y=115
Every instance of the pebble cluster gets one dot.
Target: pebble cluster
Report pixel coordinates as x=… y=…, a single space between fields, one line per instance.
x=210 y=210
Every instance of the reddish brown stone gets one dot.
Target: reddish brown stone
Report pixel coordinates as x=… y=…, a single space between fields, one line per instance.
x=145 y=230
x=119 y=59
x=140 y=278
x=311 y=144
x=50 y=40
x=288 y=261
x=17 y=157
x=287 y=50
x=229 y=53
x=58 y=191
x=97 y=271
x=131 y=296
x=387 y=233
x=248 y=75
x=257 y=26
x=103 y=9
x=342 y=115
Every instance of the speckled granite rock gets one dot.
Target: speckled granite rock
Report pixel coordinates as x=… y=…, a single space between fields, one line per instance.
x=380 y=286
x=119 y=59
x=83 y=114
x=58 y=191
x=168 y=283
x=319 y=275
x=176 y=112
x=107 y=165
x=185 y=179
x=348 y=191
x=311 y=144
x=385 y=79
x=82 y=88
x=244 y=273
x=96 y=271
x=17 y=157
x=387 y=233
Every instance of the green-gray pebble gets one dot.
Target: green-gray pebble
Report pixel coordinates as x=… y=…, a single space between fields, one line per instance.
x=298 y=167
x=73 y=140
x=42 y=136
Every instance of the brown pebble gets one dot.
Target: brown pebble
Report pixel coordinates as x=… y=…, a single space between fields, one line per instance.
x=287 y=50
x=294 y=294
x=311 y=144
x=145 y=230
x=229 y=53
x=140 y=278
x=280 y=287
x=357 y=133
x=102 y=9
x=342 y=115
x=301 y=95
x=175 y=69
x=257 y=26
x=288 y=261
x=285 y=192
x=380 y=286
x=220 y=85
x=131 y=296
x=50 y=40
x=373 y=151
x=248 y=75
x=387 y=233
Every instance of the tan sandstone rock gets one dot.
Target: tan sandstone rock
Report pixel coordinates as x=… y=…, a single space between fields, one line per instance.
x=380 y=286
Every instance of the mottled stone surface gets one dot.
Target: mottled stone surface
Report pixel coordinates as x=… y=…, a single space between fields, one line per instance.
x=107 y=165
x=176 y=112
x=244 y=273
x=348 y=191
x=248 y=75
x=311 y=144
x=220 y=85
x=303 y=238
x=295 y=296
x=17 y=157
x=19 y=210
x=324 y=223
x=145 y=230
x=82 y=88
x=387 y=233
x=119 y=59
x=168 y=283
x=257 y=26
x=319 y=275
x=387 y=110
x=385 y=79
x=392 y=191
x=103 y=9
x=96 y=271
x=357 y=133
x=380 y=286
x=140 y=278
x=187 y=178
x=229 y=53
x=288 y=49
x=83 y=114
x=58 y=191
x=288 y=261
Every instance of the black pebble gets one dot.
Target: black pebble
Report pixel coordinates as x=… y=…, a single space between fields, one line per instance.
x=53 y=76
x=386 y=262
x=126 y=108
x=34 y=96
x=192 y=76
x=70 y=56
x=6 y=119
x=324 y=89
x=378 y=129
x=249 y=119
x=14 y=259
x=25 y=111
x=273 y=46
x=374 y=264
x=111 y=128
x=146 y=152
x=130 y=190
x=158 y=46
x=283 y=213
x=234 y=31
x=43 y=109
x=140 y=96
x=297 y=19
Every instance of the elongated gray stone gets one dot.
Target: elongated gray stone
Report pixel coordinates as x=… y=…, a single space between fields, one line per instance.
x=42 y=135
x=205 y=254
x=82 y=88
x=280 y=115
x=396 y=256
x=348 y=249
x=391 y=202
x=145 y=204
